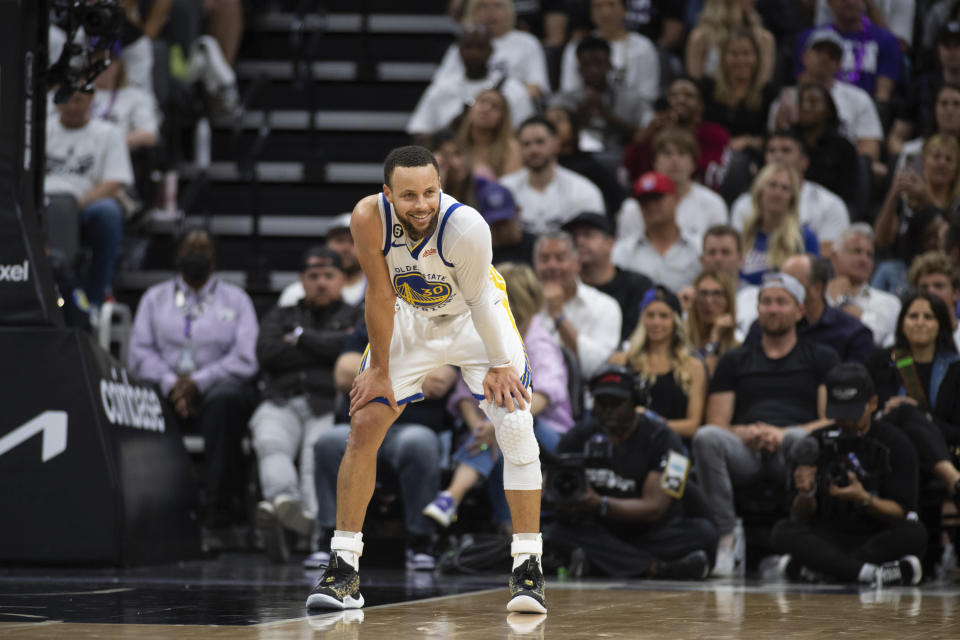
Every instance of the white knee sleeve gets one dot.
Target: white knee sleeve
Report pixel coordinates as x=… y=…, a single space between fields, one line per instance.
x=521 y=453
x=522 y=477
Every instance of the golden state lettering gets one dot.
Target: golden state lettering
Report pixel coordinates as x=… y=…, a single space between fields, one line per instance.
x=420 y=292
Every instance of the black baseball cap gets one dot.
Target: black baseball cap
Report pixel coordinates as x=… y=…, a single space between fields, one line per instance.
x=849 y=389
x=320 y=256
x=612 y=380
x=589 y=219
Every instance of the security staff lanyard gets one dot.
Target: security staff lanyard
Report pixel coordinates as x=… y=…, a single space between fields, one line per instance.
x=191 y=312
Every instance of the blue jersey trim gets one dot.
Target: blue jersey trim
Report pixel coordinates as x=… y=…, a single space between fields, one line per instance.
x=414 y=398
x=388 y=222
x=440 y=228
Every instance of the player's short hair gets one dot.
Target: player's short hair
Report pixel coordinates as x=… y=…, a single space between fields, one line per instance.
x=409 y=156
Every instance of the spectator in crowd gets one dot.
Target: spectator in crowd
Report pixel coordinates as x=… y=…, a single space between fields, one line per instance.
x=195 y=337
x=627 y=524
x=850 y=290
x=672 y=382
x=486 y=136
x=718 y=21
x=354 y=284
x=819 y=209
x=675 y=155
x=456 y=170
x=634 y=64
x=763 y=397
x=593 y=236
x=871 y=54
x=772 y=232
x=581 y=318
x=608 y=115
x=917 y=382
x=854 y=527
x=712 y=322
x=921 y=232
x=823 y=324
x=893 y=15
x=548 y=195
x=479 y=457
x=684 y=109
x=87 y=168
x=662 y=253
x=131 y=108
x=516 y=54
x=446 y=98
x=945 y=120
x=511 y=243
x=933 y=273
x=723 y=252
x=661 y=21
x=296 y=349
x=833 y=157
x=935 y=20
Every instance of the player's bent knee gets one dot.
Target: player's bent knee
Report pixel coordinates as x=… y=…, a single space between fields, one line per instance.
x=515 y=436
x=522 y=477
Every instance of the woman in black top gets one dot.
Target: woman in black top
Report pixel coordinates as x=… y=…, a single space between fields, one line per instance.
x=918 y=381
x=833 y=159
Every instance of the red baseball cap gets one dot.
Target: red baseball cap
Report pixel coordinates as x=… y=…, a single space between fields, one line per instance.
x=653 y=182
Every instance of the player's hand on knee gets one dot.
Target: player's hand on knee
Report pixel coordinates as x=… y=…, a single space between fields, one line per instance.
x=369 y=384
x=503 y=387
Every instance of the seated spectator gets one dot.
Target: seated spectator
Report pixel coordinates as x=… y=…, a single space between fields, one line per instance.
x=354 y=285
x=893 y=15
x=946 y=120
x=131 y=108
x=456 y=170
x=672 y=383
x=510 y=242
x=763 y=397
x=772 y=232
x=634 y=64
x=486 y=136
x=937 y=16
x=593 y=235
x=833 y=157
x=446 y=98
x=922 y=232
x=608 y=115
x=850 y=290
x=675 y=155
x=871 y=54
x=711 y=324
x=478 y=457
x=715 y=24
x=626 y=524
x=579 y=317
x=516 y=54
x=296 y=349
x=88 y=166
x=820 y=210
x=917 y=382
x=823 y=324
x=684 y=110
x=933 y=273
x=854 y=529
x=195 y=337
x=548 y=195
x=723 y=252
x=662 y=253
x=661 y=21
x=182 y=21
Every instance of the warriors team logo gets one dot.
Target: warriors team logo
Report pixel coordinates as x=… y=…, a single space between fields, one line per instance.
x=420 y=292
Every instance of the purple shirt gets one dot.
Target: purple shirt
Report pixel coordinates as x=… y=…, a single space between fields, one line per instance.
x=215 y=328
x=873 y=51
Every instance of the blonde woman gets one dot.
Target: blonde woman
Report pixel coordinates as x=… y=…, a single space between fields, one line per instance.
x=772 y=232
x=486 y=136
x=711 y=322
x=672 y=381
x=718 y=20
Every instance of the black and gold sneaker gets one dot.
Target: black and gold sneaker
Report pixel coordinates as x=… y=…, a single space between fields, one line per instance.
x=526 y=588
x=337 y=588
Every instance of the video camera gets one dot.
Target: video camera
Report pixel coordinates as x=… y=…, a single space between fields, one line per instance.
x=567 y=473
x=833 y=454
x=78 y=64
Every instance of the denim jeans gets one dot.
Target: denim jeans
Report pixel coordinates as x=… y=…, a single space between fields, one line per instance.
x=102 y=222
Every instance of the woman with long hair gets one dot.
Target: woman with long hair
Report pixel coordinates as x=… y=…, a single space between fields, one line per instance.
x=918 y=384
x=772 y=232
x=718 y=20
x=712 y=320
x=486 y=135
x=833 y=159
x=672 y=381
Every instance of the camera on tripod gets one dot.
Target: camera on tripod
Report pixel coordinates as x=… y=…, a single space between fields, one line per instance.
x=78 y=63
x=567 y=474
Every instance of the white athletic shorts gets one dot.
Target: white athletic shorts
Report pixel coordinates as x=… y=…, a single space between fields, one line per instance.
x=421 y=343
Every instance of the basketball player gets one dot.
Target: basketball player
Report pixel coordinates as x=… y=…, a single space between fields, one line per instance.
x=432 y=298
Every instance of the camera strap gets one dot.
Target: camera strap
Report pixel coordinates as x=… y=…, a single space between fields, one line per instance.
x=907 y=370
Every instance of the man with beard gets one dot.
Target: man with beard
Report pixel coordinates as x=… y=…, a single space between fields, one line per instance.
x=354 y=283
x=195 y=337
x=763 y=397
x=433 y=298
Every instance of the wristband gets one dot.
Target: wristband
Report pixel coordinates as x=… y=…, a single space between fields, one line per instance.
x=558 y=321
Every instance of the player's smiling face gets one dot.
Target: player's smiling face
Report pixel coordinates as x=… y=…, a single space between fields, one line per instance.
x=414 y=193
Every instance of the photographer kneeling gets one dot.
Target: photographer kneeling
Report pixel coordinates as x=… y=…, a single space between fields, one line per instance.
x=617 y=486
x=856 y=484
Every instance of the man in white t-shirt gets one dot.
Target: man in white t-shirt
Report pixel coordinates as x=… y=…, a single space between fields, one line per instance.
x=820 y=209
x=675 y=153
x=547 y=194
x=87 y=166
x=129 y=107
x=447 y=95
x=340 y=240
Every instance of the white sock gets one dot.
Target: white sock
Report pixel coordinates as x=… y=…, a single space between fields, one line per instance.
x=344 y=547
x=867 y=572
x=520 y=558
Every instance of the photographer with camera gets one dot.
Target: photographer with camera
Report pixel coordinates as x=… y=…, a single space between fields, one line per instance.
x=618 y=485
x=856 y=485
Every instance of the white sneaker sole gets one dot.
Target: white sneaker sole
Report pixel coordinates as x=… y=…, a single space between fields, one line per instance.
x=525 y=604
x=321 y=601
x=436 y=514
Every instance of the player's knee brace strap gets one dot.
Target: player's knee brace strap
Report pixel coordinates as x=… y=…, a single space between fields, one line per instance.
x=514 y=433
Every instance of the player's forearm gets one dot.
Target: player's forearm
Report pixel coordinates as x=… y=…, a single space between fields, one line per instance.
x=486 y=320
x=379 y=316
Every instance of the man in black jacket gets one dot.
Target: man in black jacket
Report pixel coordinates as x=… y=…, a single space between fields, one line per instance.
x=297 y=349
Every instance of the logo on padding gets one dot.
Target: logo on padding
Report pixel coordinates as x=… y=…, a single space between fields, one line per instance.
x=414 y=289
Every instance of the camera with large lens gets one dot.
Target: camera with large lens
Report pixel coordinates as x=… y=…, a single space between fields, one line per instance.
x=81 y=60
x=838 y=457
x=567 y=479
